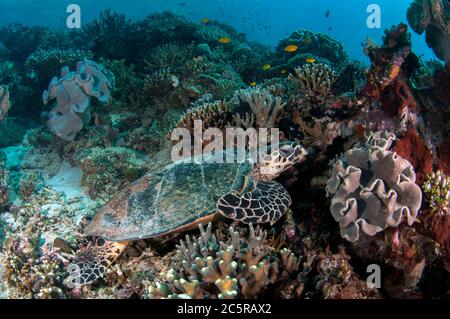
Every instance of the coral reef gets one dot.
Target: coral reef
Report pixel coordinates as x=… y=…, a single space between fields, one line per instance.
x=381 y=131
x=432 y=17
x=373 y=189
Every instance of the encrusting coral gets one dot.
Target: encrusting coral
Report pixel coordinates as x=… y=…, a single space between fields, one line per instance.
x=432 y=17
x=237 y=267
x=5 y=103
x=72 y=92
x=373 y=188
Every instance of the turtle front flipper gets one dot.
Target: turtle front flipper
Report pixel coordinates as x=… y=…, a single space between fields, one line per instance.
x=265 y=203
x=93 y=261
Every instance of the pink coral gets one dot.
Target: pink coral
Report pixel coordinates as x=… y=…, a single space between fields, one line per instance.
x=72 y=93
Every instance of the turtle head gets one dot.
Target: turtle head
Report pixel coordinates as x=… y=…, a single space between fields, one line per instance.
x=279 y=158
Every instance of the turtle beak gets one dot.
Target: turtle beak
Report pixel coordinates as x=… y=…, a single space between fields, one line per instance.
x=299 y=152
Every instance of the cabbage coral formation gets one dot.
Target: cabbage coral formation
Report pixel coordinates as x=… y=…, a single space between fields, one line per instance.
x=206 y=267
x=72 y=93
x=432 y=17
x=373 y=189
x=5 y=104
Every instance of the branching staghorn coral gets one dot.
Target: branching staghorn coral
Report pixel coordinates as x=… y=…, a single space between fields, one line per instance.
x=372 y=189
x=211 y=34
x=72 y=92
x=31 y=272
x=314 y=80
x=212 y=115
x=5 y=103
x=265 y=108
x=207 y=267
x=432 y=17
x=169 y=56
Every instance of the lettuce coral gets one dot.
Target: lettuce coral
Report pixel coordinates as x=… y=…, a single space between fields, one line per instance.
x=373 y=188
x=72 y=92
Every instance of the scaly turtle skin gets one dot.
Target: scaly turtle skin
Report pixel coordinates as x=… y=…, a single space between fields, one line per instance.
x=181 y=196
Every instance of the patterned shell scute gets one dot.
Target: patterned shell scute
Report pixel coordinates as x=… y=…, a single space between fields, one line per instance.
x=159 y=203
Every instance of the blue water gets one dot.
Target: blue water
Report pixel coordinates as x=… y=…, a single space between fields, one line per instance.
x=264 y=21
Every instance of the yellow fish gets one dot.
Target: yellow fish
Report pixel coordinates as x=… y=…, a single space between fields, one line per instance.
x=205 y=20
x=224 y=40
x=252 y=84
x=291 y=48
x=266 y=67
x=284 y=71
x=310 y=60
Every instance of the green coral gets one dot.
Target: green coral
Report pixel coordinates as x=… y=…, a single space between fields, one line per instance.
x=437 y=191
x=317 y=44
x=237 y=267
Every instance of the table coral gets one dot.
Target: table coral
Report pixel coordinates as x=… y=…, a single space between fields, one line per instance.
x=373 y=188
x=45 y=63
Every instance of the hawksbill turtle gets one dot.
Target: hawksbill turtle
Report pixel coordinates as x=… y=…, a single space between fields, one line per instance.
x=181 y=196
